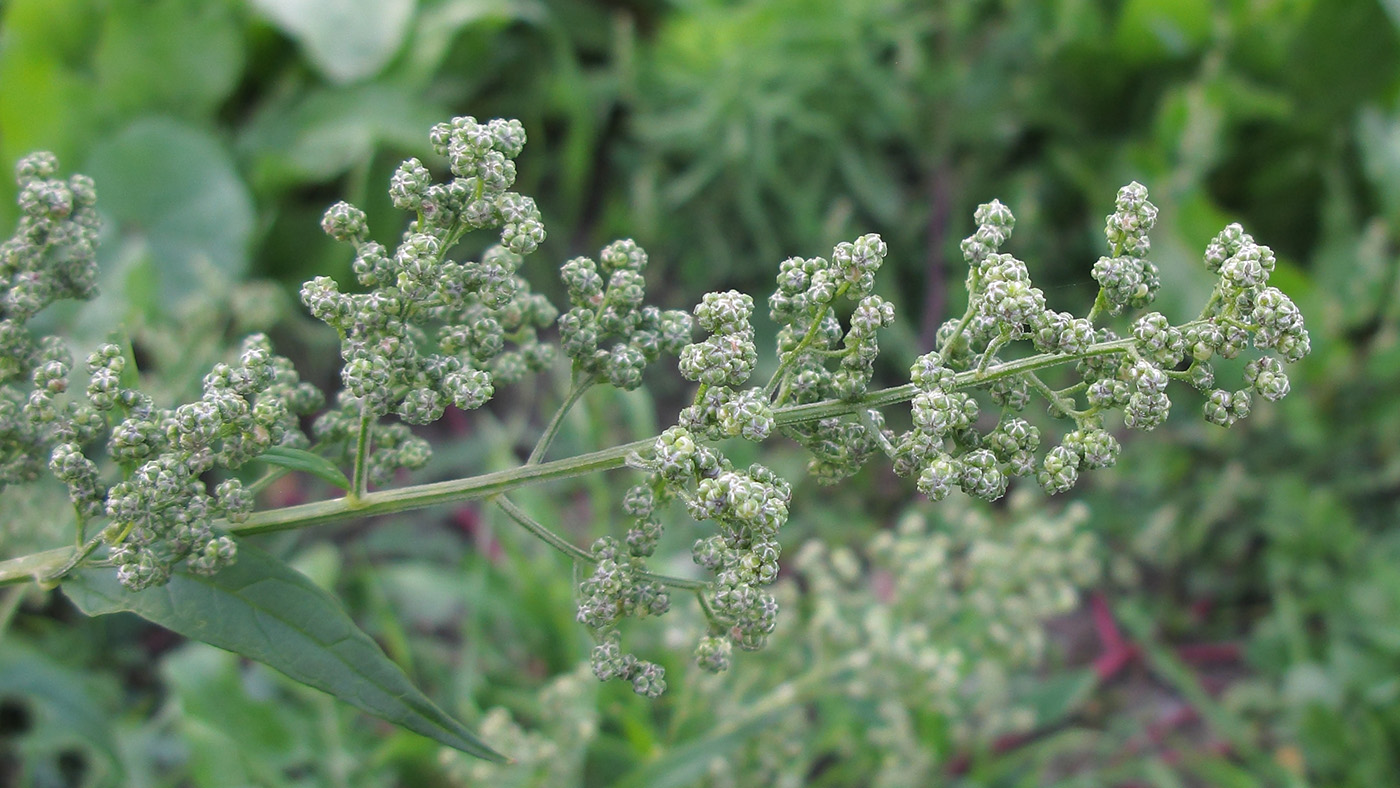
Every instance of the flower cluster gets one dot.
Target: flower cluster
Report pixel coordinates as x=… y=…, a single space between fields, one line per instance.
x=820 y=359
x=609 y=333
x=1128 y=279
x=951 y=442
x=1244 y=309
x=929 y=625
x=618 y=588
x=748 y=506
x=945 y=449
x=720 y=364
x=51 y=256
x=432 y=331
x=163 y=512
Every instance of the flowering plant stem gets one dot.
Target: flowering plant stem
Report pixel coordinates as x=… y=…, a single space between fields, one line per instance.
x=577 y=388
x=360 y=475
x=50 y=566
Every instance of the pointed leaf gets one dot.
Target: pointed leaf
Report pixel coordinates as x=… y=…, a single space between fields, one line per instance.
x=302 y=460
x=264 y=610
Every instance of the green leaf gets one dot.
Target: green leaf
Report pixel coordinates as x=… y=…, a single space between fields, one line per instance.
x=302 y=460
x=47 y=103
x=174 y=189
x=329 y=132
x=687 y=763
x=169 y=55
x=264 y=610
x=1056 y=697
x=346 y=40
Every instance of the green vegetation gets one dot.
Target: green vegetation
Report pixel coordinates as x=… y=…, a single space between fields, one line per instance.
x=1214 y=609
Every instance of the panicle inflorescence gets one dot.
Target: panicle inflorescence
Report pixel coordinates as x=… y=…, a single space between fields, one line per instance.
x=432 y=331
x=50 y=257
x=821 y=359
x=609 y=332
x=163 y=511
x=429 y=329
x=948 y=445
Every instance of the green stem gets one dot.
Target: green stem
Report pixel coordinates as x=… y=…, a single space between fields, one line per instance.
x=52 y=565
x=360 y=480
x=1100 y=306
x=682 y=583
x=780 y=376
x=997 y=343
x=974 y=281
x=75 y=557
x=541 y=532
x=1054 y=398
x=711 y=619
x=576 y=390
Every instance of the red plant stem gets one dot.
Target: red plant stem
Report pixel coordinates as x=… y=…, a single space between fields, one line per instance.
x=1207 y=653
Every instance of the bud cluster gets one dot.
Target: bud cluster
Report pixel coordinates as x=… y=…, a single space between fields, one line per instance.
x=50 y=257
x=162 y=512
x=1128 y=279
x=821 y=360
x=945 y=449
x=617 y=588
x=609 y=333
x=748 y=506
x=720 y=363
x=432 y=331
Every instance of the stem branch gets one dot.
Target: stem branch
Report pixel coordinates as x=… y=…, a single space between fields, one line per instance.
x=359 y=480
x=576 y=390
x=52 y=565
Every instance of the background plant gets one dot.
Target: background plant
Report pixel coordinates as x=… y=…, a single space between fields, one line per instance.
x=1206 y=106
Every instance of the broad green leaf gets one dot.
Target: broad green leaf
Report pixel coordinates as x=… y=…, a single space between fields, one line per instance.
x=346 y=40
x=331 y=131
x=174 y=188
x=264 y=610
x=173 y=56
x=46 y=102
x=302 y=460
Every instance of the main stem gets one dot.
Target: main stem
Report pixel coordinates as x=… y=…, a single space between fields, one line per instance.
x=49 y=566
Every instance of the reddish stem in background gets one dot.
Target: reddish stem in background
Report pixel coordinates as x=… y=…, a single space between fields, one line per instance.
x=1207 y=653
x=1117 y=651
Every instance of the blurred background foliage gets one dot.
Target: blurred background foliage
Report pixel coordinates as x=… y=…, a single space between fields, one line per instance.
x=725 y=136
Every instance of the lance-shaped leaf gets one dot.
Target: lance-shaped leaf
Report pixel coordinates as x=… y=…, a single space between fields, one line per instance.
x=302 y=460
x=264 y=610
